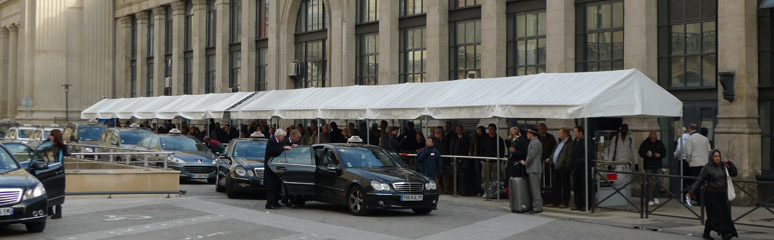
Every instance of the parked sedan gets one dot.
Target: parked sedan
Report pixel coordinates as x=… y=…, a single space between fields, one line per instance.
x=87 y=135
x=20 y=134
x=126 y=138
x=361 y=177
x=6 y=124
x=240 y=167
x=190 y=157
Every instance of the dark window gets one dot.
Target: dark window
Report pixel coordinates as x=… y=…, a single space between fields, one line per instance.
x=765 y=48
x=149 y=80
x=367 y=11
x=134 y=37
x=526 y=43
x=462 y=3
x=133 y=79
x=412 y=7
x=367 y=66
x=687 y=43
x=260 y=71
x=766 y=114
x=211 y=23
x=209 y=81
x=311 y=16
x=168 y=31
x=601 y=36
x=188 y=22
x=150 y=34
x=188 y=75
x=236 y=21
x=465 y=50
x=413 y=55
x=310 y=51
x=262 y=9
x=235 y=63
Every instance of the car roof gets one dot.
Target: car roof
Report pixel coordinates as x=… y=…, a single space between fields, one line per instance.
x=129 y=129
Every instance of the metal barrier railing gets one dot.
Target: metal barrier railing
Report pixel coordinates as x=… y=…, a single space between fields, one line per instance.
x=110 y=194
x=678 y=197
x=767 y=203
x=455 y=160
x=114 y=152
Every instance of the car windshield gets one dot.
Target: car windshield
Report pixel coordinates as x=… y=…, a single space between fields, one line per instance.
x=7 y=163
x=90 y=133
x=20 y=151
x=132 y=137
x=367 y=158
x=180 y=144
x=26 y=133
x=250 y=149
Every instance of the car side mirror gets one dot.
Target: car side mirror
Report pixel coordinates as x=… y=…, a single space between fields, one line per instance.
x=113 y=143
x=38 y=165
x=224 y=155
x=72 y=138
x=334 y=169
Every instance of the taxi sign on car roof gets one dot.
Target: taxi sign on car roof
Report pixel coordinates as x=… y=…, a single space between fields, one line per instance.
x=257 y=134
x=134 y=125
x=93 y=121
x=355 y=139
x=174 y=131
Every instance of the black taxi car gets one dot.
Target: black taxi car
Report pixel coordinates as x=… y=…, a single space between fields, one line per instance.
x=30 y=186
x=360 y=177
x=240 y=166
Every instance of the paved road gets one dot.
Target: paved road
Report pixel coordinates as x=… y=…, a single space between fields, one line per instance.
x=206 y=214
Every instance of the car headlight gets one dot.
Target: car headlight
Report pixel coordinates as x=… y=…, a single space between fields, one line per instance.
x=240 y=171
x=379 y=186
x=215 y=162
x=430 y=185
x=175 y=160
x=38 y=191
x=88 y=150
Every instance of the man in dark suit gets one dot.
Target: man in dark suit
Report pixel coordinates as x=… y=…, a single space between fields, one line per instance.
x=274 y=148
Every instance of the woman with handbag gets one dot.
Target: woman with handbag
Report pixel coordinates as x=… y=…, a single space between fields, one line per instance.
x=715 y=178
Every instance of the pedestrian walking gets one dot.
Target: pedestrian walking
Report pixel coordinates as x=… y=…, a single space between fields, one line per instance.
x=652 y=151
x=274 y=147
x=534 y=170
x=713 y=180
x=697 y=150
x=429 y=159
x=560 y=161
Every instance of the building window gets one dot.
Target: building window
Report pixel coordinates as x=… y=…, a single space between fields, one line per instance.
x=465 y=51
x=167 y=74
x=526 y=43
x=462 y=3
x=236 y=20
x=367 y=66
x=689 y=31
x=262 y=8
x=601 y=36
x=134 y=37
x=766 y=121
x=235 y=63
x=133 y=79
x=150 y=34
x=209 y=81
x=412 y=7
x=367 y=11
x=260 y=71
x=413 y=55
x=188 y=75
x=168 y=31
x=211 y=23
x=188 y=24
x=310 y=51
x=149 y=80
x=311 y=16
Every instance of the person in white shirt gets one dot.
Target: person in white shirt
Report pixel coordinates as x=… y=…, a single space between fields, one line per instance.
x=625 y=153
x=697 y=149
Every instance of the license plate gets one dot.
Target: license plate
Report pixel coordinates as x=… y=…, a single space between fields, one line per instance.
x=411 y=198
x=200 y=175
x=261 y=181
x=6 y=211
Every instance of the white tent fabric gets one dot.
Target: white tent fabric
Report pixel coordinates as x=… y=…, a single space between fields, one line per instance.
x=98 y=109
x=166 y=107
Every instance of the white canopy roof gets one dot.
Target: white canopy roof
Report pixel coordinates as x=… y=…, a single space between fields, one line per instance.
x=625 y=93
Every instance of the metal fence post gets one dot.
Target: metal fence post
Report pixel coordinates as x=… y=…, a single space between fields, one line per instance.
x=165 y=161
x=454 y=166
x=145 y=158
x=112 y=156
x=644 y=197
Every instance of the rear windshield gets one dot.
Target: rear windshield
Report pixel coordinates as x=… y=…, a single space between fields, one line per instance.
x=181 y=144
x=26 y=133
x=132 y=137
x=90 y=133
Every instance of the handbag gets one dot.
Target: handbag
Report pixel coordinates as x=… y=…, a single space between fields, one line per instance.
x=731 y=192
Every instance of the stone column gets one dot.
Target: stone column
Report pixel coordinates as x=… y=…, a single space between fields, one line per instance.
x=3 y=70
x=341 y=43
x=279 y=39
x=123 y=57
x=222 y=30
x=493 y=38
x=437 y=39
x=178 y=33
x=738 y=134
x=142 y=53
x=560 y=36
x=198 y=43
x=389 y=42
x=249 y=54
x=13 y=52
x=159 y=51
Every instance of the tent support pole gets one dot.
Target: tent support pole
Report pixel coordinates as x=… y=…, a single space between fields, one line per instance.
x=318 y=130
x=586 y=162
x=368 y=133
x=680 y=160
x=497 y=156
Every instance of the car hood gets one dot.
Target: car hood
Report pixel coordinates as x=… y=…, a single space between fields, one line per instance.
x=250 y=163
x=19 y=178
x=192 y=158
x=389 y=174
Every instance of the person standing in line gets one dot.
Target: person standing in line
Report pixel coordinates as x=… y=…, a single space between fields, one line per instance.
x=373 y=135
x=458 y=146
x=395 y=144
x=625 y=153
x=325 y=135
x=534 y=170
x=652 y=151
x=697 y=150
x=679 y=153
x=517 y=150
x=274 y=147
x=473 y=150
x=713 y=180
x=384 y=135
x=560 y=160
x=580 y=173
x=430 y=163
x=410 y=135
x=493 y=146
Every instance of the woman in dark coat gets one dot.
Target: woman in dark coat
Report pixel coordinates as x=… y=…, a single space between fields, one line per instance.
x=713 y=180
x=60 y=151
x=274 y=148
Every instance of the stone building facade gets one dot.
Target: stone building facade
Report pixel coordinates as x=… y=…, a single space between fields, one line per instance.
x=135 y=48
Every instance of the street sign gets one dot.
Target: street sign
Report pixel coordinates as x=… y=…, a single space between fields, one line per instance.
x=26 y=102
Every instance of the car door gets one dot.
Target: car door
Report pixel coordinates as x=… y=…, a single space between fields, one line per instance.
x=53 y=178
x=296 y=169
x=327 y=187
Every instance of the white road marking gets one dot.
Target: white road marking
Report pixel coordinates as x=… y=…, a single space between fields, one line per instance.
x=145 y=228
x=495 y=228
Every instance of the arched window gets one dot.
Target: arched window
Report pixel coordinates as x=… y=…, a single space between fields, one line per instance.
x=311 y=33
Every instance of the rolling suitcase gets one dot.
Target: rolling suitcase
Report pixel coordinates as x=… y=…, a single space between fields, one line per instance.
x=547 y=188
x=520 y=198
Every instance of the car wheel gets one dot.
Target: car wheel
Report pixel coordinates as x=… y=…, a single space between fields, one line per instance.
x=356 y=201
x=218 y=183
x=230 y=192
x=297 y=201
x=422 y=211
x=36 y=227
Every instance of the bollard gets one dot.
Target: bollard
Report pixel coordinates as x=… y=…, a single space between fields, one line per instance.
x=146 y=162
x=112 y=156
x=165 y=161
